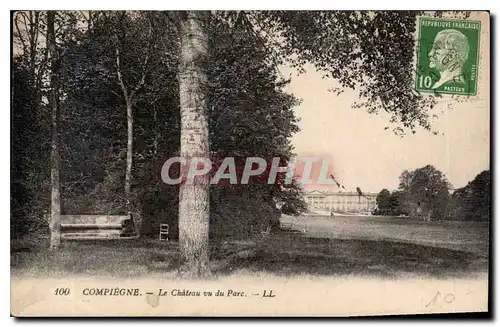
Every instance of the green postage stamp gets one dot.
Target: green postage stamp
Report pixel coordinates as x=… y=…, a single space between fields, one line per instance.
x=447 y=56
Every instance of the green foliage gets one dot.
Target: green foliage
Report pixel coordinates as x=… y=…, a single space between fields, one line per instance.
x=352 y=48
x=95 y=121
x=472 y=202
x=250 y=115
x=389 y=204
x=425 y=191
x=30 y=148
x=292 y=198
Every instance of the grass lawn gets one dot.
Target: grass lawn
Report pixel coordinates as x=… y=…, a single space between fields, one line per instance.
x=318 y=246
x=466 y=236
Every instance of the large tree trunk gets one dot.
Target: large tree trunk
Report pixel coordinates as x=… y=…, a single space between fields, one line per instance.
x=55 y=205
x=194 y=211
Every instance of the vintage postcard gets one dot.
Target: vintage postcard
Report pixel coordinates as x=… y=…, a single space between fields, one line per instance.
x=250 y=163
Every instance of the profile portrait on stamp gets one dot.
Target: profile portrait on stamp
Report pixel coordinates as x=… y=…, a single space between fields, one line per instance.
x=448 y=55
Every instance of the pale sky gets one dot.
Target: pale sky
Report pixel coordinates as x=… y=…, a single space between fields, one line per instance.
x=366 y=155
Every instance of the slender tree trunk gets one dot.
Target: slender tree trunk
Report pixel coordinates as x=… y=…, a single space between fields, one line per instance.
x=130 y=129
x=130 y=140
x=128 y=96
x=55 y=205
x=194 y=211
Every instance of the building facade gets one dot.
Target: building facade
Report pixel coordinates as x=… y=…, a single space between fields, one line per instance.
x=340 y=201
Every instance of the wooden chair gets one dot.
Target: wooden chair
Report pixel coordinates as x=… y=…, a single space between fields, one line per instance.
x=164 y=230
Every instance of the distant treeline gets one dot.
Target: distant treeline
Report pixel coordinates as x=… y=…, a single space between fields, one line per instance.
x=425 y=192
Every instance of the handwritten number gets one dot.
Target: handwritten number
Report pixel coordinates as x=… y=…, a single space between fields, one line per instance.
x=434 y=299
x=448 y=298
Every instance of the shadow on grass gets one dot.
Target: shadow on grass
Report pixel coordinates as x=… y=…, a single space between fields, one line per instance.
x=102 y=258
x=297 y=255
x=284 y=254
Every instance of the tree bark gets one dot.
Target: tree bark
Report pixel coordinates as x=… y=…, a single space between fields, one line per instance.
x=194 y=210
x=130 y=141
x=55 y=205
x=130 y=131
x=129 y=98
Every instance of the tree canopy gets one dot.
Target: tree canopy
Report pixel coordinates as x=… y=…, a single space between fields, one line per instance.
x=473 y=201
x=426 y=191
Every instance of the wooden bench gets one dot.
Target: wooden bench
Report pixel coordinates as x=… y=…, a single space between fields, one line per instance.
x=97 y=227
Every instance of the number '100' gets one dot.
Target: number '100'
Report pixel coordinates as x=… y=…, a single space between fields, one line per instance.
x=62 y=291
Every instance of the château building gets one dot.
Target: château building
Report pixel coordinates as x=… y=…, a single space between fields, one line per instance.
x=340 y=201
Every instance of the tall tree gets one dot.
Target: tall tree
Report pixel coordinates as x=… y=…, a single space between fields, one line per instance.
x=194 y=198
x=31 y=153
x=426 y=190
x=384 y=202
x=472 y=202
x=129 y=97
x=55 y=205
x=345 y=46
x=28 y=33
x=390 y=203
